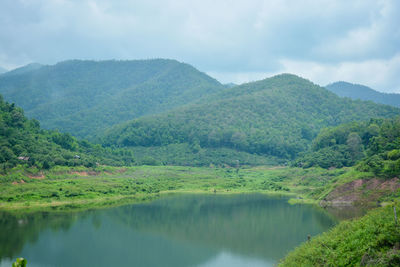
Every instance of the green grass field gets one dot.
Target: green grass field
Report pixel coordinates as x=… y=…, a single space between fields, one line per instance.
x=66 y=187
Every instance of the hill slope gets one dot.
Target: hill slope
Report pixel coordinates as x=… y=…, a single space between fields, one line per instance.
x=278 y=116
x=23 y=142
x=372 y=240
x=374 y=144
x=84 y=97
x=357 y=91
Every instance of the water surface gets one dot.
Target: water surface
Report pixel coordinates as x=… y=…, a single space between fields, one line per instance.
x=179 y=230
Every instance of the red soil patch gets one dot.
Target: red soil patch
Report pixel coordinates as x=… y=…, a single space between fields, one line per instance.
x=36 y=176
x=361 y=192
x=20 y=182
x=84 y=173
x=121 y=170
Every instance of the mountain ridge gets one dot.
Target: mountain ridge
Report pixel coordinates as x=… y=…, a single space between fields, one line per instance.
x=277 y=116
x=362 y=92
x=83 y=97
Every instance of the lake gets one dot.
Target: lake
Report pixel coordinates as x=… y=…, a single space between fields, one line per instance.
x=177 y=230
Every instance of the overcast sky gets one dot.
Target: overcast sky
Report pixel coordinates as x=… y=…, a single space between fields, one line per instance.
x=233 y=41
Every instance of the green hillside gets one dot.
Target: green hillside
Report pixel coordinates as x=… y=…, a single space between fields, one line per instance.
x=372 y=240
x=278 y=117
x=357 y=91
x=22 y=142
x=84 y=97
x=374 y=144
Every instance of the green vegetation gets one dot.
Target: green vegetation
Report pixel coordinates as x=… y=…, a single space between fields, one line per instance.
x=84 y=97
x=357 y=91
x=20 y=262
x=22 y=142
x=81 y=187
x=194 y=155
x=373 y=240
x=189 y=119
x=276 y=117
x=374 y=145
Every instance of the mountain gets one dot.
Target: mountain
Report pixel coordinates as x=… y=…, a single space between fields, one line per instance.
x=278 y=117
x=357 y=91
x=84 y=97
x=2 y=70
x=230 y=85
x=25 y=69
x=23 y=142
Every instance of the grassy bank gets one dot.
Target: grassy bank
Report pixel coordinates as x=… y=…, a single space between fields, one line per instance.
x=65 y=187
x=373 y=240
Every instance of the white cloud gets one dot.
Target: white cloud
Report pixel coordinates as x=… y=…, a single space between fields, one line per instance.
x=236 y=40
x=379 y=74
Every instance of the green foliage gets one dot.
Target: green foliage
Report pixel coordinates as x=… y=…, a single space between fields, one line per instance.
x=62 y=185
x=372 y=240
x=276 y=117
x=22 y=142
x=84 y=97
x=374 y=145
x=20 y=262
x=194 y=155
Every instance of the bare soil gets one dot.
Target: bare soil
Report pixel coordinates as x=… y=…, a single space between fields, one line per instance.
x=361 y=192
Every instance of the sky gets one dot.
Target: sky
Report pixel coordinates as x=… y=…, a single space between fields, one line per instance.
x=233 y=41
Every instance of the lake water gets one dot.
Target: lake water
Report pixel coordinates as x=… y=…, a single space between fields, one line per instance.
x=179 y=230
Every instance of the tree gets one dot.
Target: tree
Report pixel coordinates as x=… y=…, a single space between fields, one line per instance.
x=354 y=145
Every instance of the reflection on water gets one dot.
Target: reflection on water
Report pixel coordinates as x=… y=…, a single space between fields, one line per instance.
x=347 y=212
x=180 y=230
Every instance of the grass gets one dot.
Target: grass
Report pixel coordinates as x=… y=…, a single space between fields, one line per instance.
x=87 y=188
x=373 y=240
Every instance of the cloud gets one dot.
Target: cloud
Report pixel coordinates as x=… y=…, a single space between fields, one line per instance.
x=236 y=38
x=380 y=74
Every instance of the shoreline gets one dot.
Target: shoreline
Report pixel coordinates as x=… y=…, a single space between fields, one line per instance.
x=119 y=200
x=69 y=188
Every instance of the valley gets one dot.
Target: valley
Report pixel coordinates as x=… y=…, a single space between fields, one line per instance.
x=93 y=135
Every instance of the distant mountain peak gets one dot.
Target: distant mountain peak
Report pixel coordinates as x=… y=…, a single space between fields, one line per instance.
x=362 y=92
x=3 y=70
x=24 y=69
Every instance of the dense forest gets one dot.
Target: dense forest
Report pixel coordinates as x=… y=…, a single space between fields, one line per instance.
x=278 y=117
x=374 y=144
x=24 y=142
x=84 y=97
x=357 y=91
x=266 y=122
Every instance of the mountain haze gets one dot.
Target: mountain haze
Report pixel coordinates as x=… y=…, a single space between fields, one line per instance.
x=2 y=70
x=24 y=69
x=278 y=116
x=357 y=91
x=84 y=97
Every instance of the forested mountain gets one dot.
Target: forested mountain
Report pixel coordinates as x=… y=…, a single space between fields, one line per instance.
x=357 y=91
x=84 y=97
x=230 y=85
x=375 y=144
x=25 y=69
x=23 y=142
x=278 y=116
